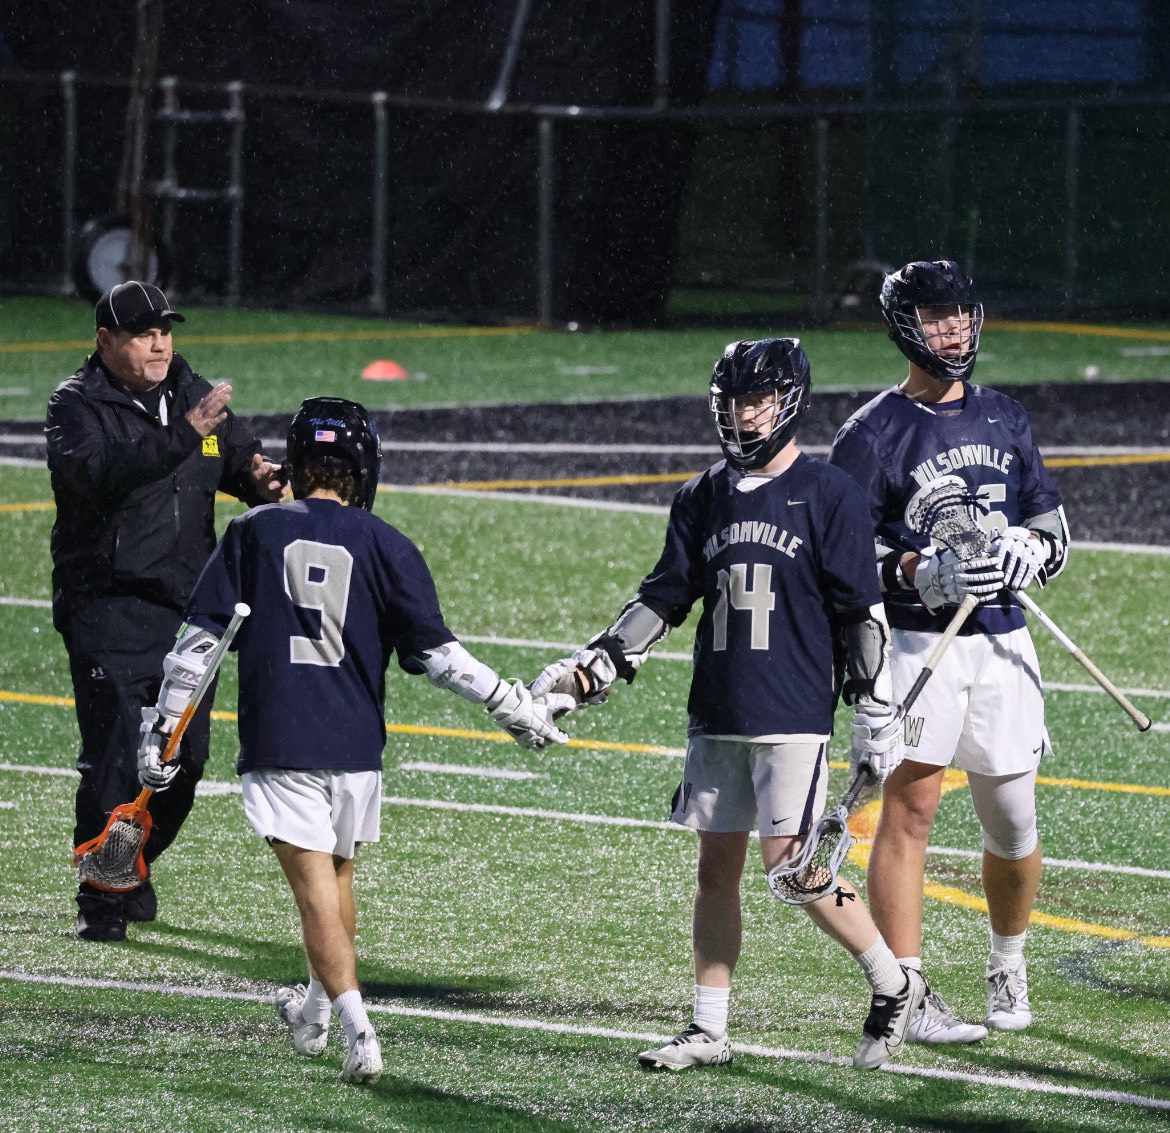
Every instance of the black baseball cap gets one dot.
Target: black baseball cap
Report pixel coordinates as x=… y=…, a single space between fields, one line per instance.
x=134 y=307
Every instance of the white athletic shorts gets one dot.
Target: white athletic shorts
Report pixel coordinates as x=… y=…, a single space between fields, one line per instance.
x=315 y=810
x=730 y=783
x=983 y=707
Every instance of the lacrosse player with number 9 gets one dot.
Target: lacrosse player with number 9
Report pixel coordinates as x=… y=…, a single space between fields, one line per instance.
x=936 y=434
x=335 y=592
x=779 y=549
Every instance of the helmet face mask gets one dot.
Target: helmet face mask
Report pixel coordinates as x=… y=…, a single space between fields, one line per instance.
x=333 y=430
x=759 y=392
x=934 y=317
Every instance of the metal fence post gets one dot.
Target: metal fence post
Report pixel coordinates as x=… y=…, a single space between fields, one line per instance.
x=661 y=54
x=236 y=191
x=544 y=241
x=1072 y=161
x=819 y=305
x=378 y=245
x=68 y=175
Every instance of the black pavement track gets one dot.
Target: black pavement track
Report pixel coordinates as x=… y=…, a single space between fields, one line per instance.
x=1114 y=502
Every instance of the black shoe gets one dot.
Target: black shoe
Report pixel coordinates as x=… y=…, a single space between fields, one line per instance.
x=100 y=928
x=140 y=904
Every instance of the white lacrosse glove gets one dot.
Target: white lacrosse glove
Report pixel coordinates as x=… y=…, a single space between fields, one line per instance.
x=571 y=682
x=1020 y=557
x=152 y=771
x=878 y=743
x=943 y=579
x=529 y=722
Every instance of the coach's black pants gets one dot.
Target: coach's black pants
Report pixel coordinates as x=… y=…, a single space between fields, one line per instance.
x=116 y=648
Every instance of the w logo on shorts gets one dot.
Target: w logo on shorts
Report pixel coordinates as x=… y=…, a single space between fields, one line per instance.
x=912 y=730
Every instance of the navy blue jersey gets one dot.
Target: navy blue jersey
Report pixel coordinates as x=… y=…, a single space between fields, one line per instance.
x=894 y=445
x=334 y=592
x=773 y=567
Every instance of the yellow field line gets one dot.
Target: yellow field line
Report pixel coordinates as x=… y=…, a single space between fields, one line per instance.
x=1091 y=785
x=35 y=505
x=1078 y=328
x=575 y=482
x=292 y=336
x=966 y=900
x=1107 y=461
x=861 y=828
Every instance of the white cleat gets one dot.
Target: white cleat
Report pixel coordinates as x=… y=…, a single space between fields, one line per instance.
x=694 y=1047
x=935 y=1022
x=1008 y=1008
x=363 y=1061
x=884 y=1032
x=310 y=1039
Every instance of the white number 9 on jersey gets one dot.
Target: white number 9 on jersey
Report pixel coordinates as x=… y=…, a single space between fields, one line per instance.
x=316 y=577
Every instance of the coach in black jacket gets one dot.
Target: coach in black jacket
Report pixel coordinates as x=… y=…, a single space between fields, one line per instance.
x=138 y=446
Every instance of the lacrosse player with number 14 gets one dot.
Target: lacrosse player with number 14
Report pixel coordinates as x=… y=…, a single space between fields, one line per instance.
x=983 y=709
x=779 y=550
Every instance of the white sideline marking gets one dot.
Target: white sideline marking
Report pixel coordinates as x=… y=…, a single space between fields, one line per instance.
x=1161 y=727
x=528 y=498
x=216 y=788
x=531 y=812
x=38 y=603
x=7 y=806
x=477 y=772
x=473 y=1018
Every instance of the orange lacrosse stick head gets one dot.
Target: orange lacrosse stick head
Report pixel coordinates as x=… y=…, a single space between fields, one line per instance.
x=113 y=860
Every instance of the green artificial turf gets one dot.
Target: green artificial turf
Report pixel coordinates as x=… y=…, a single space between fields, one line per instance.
x=527 y=913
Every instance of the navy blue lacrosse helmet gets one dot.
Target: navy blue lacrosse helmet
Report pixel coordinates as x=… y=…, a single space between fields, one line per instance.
x=749 y=370
x=924 y=285
x=333 y=430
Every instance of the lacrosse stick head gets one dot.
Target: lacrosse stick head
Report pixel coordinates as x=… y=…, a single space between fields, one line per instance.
x=945 y=510
x=113 y=860
x=813 y=872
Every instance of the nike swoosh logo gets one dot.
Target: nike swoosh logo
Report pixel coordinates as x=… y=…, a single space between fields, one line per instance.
x=793 y=503
x=992 y=420
x=777 y=821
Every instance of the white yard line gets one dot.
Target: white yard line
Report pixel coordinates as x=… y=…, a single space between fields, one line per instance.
x=37 y=603
x=1017 y=1083
x=474 y=772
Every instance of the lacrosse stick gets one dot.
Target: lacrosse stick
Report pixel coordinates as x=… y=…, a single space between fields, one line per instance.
x=942 y=510
x=1135 y=714
x=113 y=860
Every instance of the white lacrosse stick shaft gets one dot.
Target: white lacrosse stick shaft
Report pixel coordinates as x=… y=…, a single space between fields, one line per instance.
x=1135 y=714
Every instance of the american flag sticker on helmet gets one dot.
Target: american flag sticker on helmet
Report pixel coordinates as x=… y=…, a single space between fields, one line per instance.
x=324 y=435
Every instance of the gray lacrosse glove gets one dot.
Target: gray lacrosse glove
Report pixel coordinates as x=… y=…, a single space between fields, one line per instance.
x=152 y=771
x=527 y=721
x=571 y=682
x=943 y=579
x=1019 y=556
x=878 y=743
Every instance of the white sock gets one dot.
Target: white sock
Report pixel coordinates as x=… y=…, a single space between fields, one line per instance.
x=711 y=1009
x=881 y=969
x=914 y=962
x=352 y=1010
x=317 y=1006
x=1007 y=947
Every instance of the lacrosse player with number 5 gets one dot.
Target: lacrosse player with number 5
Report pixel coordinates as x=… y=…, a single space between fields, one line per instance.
x=779 y=550
x=983 y=709
x=334 y=593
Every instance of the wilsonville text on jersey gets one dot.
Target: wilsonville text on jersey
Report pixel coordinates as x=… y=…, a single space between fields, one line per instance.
x=752 y=531
x=962 y=457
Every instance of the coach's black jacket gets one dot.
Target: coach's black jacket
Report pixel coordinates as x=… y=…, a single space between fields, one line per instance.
x=135 y=498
